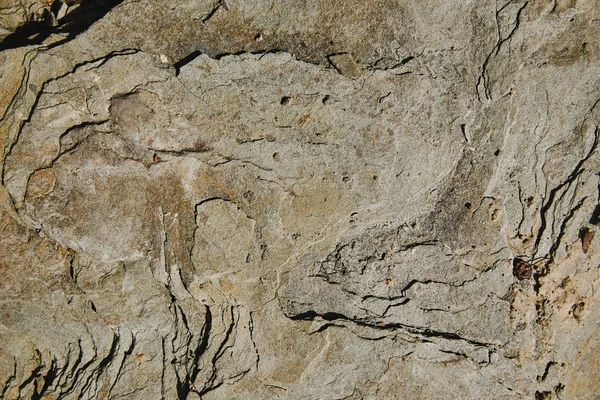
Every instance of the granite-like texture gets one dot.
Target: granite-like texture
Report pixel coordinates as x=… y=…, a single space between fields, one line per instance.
x=221 y=199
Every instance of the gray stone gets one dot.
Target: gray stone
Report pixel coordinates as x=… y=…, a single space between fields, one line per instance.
x=259 y=200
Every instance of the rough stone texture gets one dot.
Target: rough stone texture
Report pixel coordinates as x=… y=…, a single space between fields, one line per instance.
x=351 y=199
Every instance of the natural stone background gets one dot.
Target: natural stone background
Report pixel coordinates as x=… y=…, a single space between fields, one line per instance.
x=342 y=199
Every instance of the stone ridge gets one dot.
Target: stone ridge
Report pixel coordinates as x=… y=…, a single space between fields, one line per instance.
x=320 y=199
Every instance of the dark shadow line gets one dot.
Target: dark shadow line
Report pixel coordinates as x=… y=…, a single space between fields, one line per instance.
x=74 y=23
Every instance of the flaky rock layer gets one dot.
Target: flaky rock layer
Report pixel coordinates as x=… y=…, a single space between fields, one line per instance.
x=303 y=200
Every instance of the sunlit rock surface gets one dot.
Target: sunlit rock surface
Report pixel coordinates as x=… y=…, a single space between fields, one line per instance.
x=221 y=199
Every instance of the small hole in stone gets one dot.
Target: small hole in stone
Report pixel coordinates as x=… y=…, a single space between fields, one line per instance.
x=285 y=100
x=497 y=152
x=249 y=195
x=529 y=201
x=345 y=178
x=375 y=177
x=468 y=205
x=325 y=99
x=276 y=156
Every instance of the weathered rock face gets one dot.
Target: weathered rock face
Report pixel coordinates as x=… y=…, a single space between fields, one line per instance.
x=344 y=199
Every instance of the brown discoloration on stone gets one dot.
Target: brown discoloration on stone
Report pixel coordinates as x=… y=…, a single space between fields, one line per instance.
x=252 y=225
x=583 y=382
x=586 y=235
x=31 y=267
x=41 y=184
x=522 y=269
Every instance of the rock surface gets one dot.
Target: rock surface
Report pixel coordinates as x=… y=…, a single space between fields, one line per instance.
x=221 y=199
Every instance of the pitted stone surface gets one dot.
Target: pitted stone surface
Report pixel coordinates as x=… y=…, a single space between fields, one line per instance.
x=256 y=200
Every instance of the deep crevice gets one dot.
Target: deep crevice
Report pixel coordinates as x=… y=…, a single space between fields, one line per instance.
x=186 y=60
x=184 y=388
x=570 y=179
x=311 y=315
x=210 y=385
